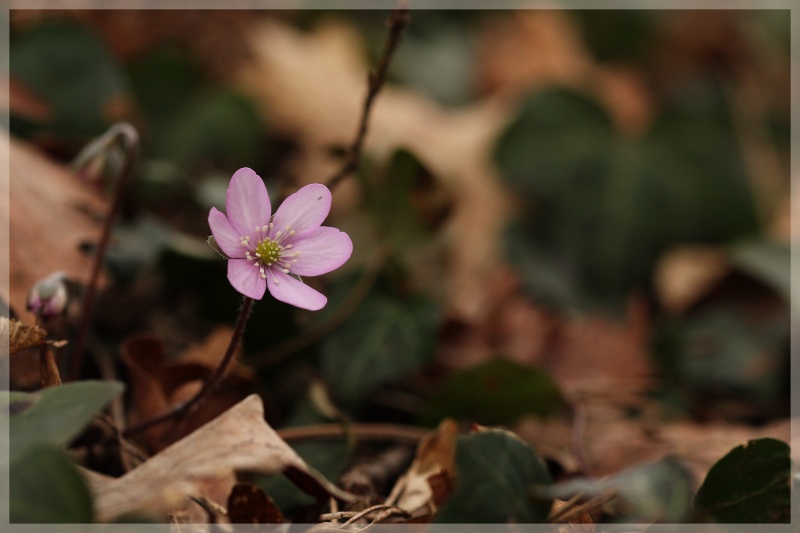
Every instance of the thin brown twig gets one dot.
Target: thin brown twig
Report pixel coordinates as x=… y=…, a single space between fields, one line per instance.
x=128 y=138
x=591 y=504
x=127 y=449
x=369 y=510
x=364 y=431
x=397 y=22
x=209 y=385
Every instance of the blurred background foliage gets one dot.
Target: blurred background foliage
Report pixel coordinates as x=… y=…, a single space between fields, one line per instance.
x=638 y=148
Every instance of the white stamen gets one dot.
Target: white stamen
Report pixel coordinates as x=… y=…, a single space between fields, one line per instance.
x=278 y=234
x=284 y=270
x=288 y=246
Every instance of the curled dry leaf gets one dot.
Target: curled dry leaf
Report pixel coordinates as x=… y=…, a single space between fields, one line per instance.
x=239 y=440
x=429 y=479
x=18 y=336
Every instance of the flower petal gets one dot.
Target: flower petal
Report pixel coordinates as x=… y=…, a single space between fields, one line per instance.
x=247 y=202
x=227 y=238
x=323 y=250
x=304 y=210
x=245 y=278
x=294 y=292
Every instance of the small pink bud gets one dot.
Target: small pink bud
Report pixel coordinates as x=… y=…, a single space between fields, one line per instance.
x=49 y=297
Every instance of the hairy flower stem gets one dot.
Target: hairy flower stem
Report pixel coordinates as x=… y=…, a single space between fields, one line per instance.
x=128 y=138
x=210 y=384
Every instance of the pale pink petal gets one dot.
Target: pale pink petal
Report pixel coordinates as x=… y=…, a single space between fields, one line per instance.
x=245 y=278
x=227 y=238
x=247 y=203
x=323 y=250
x=303 y=211
x=291 y=291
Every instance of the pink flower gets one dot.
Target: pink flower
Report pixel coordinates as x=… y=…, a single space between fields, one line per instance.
x=269 y=251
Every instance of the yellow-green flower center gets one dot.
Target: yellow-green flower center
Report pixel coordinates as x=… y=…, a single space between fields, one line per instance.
x=269 y=251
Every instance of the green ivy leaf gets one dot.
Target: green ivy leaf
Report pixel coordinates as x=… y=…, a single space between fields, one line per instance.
x=494 y=472
x=594 y=203
x=749 y=485
x=56 y=415
x=70 y=69
x=389 y=198
x=385 y=339
x=46 y=487
x=495 y=392
x=220 y=127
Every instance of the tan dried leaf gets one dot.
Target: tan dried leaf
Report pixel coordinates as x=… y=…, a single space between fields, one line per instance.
x=18 y=336
x=239 y=440
x=50 y=213
x=687 y=273
x=571 y=518
x=430 y=478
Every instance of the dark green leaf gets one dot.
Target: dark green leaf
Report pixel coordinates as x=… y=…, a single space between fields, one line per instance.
x=558 y=140
x=163 y=81
x=767 y=261
x=389 y=197
x=654 y=492
x=385 y=339
x=220 y=127
x=58 y=414
x=598 y=209
x=494 y=473
x=749 y=485
x=617 y=35
x=722 y=348
x=46 y=488
x=71 y=70
x=496 y=392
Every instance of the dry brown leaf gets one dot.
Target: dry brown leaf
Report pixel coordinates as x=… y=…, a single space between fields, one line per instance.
x=248 y=504
x=50 y=214
x=602 y=358
x=143 y=355
x=431 y=476
x=18 y=336
x=158 y=384
x=22 y=102
x=570 y=518
x=239 y=440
